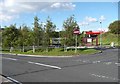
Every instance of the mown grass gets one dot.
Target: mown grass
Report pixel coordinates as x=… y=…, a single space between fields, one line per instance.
x=57 y=52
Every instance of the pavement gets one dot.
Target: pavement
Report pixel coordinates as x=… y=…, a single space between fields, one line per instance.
x=3 y=79
x=99 y=67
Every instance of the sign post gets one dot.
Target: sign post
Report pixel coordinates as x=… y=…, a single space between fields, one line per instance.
x=76 y=32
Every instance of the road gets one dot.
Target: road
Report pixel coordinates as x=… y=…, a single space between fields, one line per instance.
x=100 y=67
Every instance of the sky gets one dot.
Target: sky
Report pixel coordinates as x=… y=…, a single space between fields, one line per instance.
x=87 y=14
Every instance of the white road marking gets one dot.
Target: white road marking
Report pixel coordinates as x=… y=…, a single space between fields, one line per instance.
x=84 y=61
x=79 y=60
x=118 y=64
x=94 y=62
x=44 y=65
x=13 y=80
x=98 y=61
x=103 y=76
x=108 y=63
x=10 y=58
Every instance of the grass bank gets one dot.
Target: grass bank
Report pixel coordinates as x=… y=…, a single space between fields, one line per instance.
x=108 y=37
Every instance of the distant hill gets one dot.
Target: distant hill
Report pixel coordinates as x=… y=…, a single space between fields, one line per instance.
x=108 y=37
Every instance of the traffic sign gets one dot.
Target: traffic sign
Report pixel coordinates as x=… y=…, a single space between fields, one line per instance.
x=76 y=31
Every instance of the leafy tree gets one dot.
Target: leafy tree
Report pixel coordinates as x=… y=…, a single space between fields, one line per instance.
x=55 y=34
x=68 y=35
x=19 y=41
x=0 y=40
x=80 y=37
x=49 y=28
x=114 y=27
x=10 y=35
x=24 y=37
x=37 y=33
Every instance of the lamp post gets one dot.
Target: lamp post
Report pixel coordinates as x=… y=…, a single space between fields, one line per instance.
x=101 y=36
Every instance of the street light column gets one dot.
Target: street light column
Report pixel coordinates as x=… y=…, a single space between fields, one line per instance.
x=101 y=36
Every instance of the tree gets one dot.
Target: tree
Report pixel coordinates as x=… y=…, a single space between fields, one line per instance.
x=19 y=41
x=49 y=28
x=81 y=36
x=114 y=27
x=10 y=35
x=24 y=36
x=37 y=33
x=69 y=26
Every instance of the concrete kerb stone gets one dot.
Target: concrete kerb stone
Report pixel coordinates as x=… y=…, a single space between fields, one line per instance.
x=43 y=55
x=36 y=55
x=3 y=79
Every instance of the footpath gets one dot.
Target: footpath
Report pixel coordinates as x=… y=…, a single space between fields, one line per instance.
x=4 y=80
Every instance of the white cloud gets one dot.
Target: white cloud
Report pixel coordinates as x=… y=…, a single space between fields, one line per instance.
x=102 y=18
x=83 y=23
x=56 y=5
x=9 y=3
x=4 y=17
x=103 y=29
x=90 y=19
x=66 y=6
x=11 y=8
x=106 y=30
x=60 y=6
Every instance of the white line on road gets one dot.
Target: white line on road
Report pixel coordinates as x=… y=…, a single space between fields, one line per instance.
x=108 y=63
x=44 y=65
x=95 y=62
x=17 y=82
x=102 y=76
x=118 y=64
x=9 y=79
x=10 y=58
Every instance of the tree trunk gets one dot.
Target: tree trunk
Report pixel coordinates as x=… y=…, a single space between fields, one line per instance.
x=11 y=49
x=23 y=48
x=47 y=49
x=33 y=49
x=20 y=50
x=65 y=49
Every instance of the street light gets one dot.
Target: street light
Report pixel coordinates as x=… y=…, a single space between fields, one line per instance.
x=101 y=36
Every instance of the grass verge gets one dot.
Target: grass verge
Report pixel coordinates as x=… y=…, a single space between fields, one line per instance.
x=57 y=52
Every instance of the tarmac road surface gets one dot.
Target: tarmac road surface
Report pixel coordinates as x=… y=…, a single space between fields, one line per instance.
x=100 y=67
